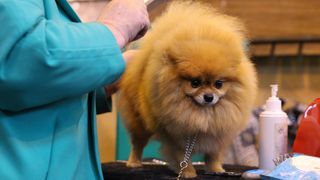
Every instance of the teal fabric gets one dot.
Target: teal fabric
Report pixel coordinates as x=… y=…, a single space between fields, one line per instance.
x=50 y=66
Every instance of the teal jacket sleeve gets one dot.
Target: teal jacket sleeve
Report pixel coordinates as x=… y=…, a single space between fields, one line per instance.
x=44 y=60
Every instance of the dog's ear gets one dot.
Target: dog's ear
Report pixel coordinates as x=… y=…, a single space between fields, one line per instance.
x=172 y=54
x=171 y=57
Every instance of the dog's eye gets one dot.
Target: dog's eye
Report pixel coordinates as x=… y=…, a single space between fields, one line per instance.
x=218 y=84
x=195 y=82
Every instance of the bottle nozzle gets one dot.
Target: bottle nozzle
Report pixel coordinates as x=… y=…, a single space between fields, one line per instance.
x=274 y=90
x=273 y=103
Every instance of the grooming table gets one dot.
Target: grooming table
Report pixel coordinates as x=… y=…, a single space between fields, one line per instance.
x=152 y=171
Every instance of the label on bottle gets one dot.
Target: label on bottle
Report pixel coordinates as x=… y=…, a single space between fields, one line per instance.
x=281 y=138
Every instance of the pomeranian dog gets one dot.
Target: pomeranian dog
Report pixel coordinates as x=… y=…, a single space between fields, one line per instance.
x=191 y=78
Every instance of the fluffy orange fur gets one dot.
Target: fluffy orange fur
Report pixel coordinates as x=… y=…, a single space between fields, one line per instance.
x=190 y=51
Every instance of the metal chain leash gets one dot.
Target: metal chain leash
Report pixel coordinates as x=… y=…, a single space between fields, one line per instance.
x=187 y=155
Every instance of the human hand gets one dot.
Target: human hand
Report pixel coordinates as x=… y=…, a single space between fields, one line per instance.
x=129 y=55
x=127 y=19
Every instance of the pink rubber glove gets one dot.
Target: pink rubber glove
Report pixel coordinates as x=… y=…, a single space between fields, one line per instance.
x=127 y=19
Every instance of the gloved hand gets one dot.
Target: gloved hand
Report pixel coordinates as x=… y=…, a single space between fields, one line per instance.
x=127 y=19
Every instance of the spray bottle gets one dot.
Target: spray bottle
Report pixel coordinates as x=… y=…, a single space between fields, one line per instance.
x=273 y=131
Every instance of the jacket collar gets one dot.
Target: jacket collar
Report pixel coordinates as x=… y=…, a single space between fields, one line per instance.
x=65 y=6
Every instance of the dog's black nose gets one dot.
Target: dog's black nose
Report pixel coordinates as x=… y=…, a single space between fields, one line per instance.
x=208 y=98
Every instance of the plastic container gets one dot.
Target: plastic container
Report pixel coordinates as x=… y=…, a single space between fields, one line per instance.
x=273 y=131
x=308 y=136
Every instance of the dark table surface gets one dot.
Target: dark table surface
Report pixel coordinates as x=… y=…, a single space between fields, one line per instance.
x=119 y=171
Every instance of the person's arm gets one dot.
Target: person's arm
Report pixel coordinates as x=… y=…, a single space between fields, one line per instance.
x=43 y=61
x=103 y=95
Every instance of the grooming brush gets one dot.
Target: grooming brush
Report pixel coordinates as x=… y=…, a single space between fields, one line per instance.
x=282 y=158
x=257 y=173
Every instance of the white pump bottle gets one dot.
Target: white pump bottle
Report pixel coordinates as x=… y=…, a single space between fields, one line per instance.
x=273 y=131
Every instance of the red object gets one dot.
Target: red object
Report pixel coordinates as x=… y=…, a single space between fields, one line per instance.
x=308 y=137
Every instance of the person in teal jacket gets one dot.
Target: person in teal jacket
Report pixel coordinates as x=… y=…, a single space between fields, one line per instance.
x=52 y=69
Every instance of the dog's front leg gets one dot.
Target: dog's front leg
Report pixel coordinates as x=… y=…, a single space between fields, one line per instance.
x=213 y=162
x=139 y=140
x=174 y=156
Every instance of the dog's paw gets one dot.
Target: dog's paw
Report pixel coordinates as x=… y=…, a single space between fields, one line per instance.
x=189 y=172
x=217 y=168
x=214 y=167
x=135 y=164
